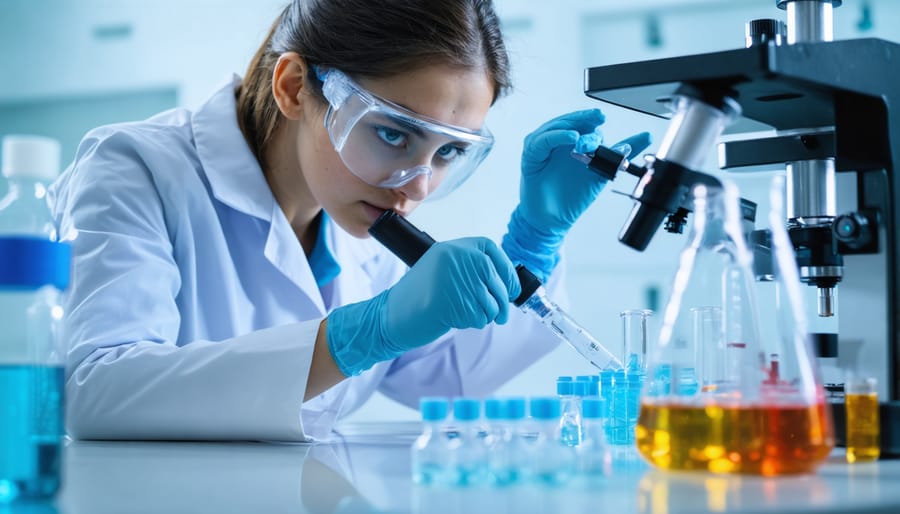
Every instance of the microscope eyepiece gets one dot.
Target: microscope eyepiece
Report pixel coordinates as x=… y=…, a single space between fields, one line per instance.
x=642 y=224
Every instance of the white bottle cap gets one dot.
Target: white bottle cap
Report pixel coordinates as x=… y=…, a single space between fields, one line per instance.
x=34 y=157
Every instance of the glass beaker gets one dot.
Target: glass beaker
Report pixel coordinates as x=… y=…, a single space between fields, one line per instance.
x=746 y=423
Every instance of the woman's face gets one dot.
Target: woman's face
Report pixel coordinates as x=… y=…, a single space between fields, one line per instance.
x=454 y=96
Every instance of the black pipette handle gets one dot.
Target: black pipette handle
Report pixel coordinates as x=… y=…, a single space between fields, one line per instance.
x=409 y=244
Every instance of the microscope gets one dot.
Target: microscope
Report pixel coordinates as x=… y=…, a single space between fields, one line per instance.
x=829 y=110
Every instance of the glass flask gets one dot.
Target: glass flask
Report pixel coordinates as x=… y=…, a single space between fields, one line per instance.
x=760 y=405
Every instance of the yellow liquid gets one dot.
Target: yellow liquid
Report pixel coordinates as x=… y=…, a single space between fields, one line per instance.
x=862 y=427
x=759 y=440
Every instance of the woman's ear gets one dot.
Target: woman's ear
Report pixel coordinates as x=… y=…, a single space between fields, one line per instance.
x=288 y=81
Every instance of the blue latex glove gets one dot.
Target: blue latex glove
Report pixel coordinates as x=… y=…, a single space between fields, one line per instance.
x=556 y=188
x=463 y=283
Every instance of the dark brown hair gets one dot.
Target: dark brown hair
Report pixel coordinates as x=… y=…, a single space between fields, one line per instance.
x=370 y=38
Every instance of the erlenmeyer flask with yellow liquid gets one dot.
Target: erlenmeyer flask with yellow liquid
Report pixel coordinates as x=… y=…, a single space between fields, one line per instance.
x=758 y=405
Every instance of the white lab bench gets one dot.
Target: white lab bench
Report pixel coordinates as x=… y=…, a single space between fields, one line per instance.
x=367 y=469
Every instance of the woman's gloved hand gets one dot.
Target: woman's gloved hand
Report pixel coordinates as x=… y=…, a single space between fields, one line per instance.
x=463 y=283
x=556 y=188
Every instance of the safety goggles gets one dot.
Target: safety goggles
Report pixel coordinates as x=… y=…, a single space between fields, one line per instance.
x=388 y=146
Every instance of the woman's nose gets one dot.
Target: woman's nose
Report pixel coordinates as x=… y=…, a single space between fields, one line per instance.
x=417 y=188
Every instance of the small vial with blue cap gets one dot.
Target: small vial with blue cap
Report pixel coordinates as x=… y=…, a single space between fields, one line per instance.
x=594 y=457
x=552 y=461
x=570 y=418
x=468 y=454
x=431 y=451
x=506 y=450
x=495 y=439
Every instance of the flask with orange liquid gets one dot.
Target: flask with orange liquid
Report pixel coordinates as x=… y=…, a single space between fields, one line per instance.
x=759 y=408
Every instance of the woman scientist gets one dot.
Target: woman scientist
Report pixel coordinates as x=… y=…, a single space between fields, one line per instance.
x=223 y=283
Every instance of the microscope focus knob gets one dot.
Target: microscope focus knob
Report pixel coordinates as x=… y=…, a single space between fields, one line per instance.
x=853 y=230
x=761 y=31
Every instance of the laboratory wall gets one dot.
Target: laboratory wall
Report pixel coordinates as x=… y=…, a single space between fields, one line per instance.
x=69 y=65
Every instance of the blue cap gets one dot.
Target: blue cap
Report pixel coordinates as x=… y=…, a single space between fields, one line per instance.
x=606 y=375
x=595 y=378
x=544 y=408
x=434 y=408
x=565 y=388
x=466 y=409
x=592 y=408
x=515 y=408
x=563 y=379
x=580 y=388
x=593 y=388
x=494 y=409
x=29 y=263
x=583 y=378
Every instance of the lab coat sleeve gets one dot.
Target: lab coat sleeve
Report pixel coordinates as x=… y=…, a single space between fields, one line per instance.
x=126 y=377
x=474 y=362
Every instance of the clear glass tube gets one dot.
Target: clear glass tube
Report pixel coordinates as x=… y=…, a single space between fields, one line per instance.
x=634 y=338
x=569 y=331
x=707 y=332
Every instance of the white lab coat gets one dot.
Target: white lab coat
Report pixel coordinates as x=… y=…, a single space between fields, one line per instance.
x=193 y=310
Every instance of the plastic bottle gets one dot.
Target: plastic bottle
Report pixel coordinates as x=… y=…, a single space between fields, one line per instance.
x=34 y=268
x=552 y=461
x=570 y=419
x=468 y=455
x=430 y=451
x=594 y=457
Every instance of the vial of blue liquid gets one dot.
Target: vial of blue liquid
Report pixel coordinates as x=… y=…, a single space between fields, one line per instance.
x=34 y=269
x=506 y=449
x=570 y=405
x=468 y=454
x=430 y=451
x=552 y=461
x=594 y=456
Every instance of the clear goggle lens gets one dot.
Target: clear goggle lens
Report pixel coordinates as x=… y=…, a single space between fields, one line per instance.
x=388 y=146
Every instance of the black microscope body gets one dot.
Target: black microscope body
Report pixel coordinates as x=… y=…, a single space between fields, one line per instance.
x=835 y=107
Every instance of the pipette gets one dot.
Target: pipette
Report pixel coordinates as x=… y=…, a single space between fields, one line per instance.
x=409 y=243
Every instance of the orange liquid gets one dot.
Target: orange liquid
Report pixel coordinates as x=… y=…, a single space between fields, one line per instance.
x=862 y=427
x=759 y=440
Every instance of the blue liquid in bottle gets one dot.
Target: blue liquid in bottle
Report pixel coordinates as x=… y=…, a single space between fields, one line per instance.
x=31 y=419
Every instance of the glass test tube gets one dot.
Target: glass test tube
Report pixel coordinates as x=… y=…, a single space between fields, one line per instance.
x=707 y=331
x=634 y=339
x=863 y=430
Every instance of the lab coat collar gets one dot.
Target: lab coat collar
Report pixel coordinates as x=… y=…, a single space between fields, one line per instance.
x=234 y=174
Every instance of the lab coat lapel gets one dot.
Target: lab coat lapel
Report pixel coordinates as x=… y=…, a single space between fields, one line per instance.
x=236 y=179
x=234 y=175
x=284 y=251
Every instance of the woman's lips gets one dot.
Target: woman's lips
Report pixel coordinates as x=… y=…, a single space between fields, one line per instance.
x=373 y=211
